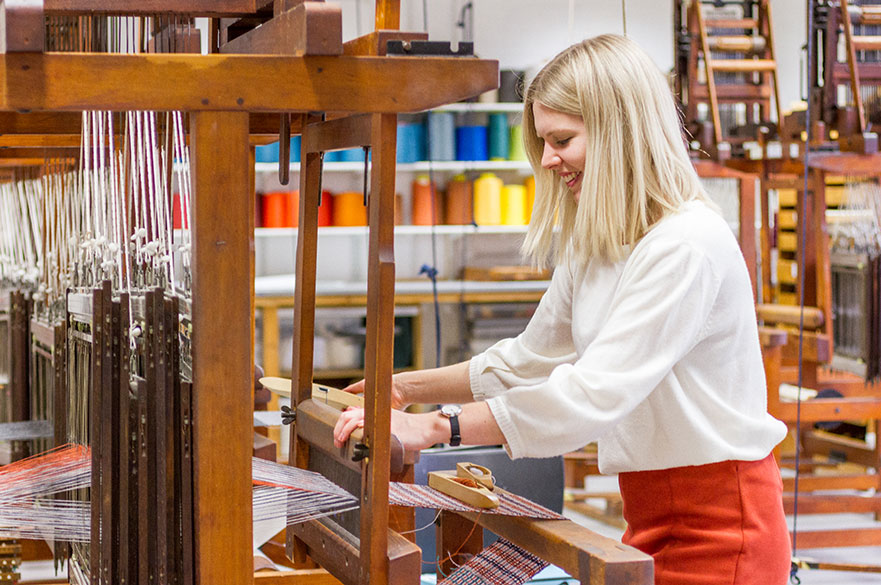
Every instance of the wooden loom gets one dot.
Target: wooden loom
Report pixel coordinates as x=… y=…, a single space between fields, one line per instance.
x=229 y=97
x=725 y=62
x=845 y=92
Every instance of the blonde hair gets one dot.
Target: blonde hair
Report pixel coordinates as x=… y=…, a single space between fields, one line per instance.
x=636 y=168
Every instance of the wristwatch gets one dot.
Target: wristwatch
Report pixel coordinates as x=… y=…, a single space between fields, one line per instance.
x=452 y=412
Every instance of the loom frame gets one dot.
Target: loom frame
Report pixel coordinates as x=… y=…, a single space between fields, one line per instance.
x=226 y=96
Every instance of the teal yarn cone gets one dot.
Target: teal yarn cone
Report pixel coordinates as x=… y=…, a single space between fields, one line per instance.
x=498 y=136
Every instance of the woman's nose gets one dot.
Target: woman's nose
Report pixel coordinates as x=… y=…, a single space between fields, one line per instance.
x=549 y=157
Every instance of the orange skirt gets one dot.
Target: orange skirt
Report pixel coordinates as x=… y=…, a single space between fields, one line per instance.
x=721 y=523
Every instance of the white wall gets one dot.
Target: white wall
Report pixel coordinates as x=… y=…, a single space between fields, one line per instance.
x=523 y=34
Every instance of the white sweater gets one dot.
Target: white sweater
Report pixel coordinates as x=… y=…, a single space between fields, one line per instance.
x=656 y=357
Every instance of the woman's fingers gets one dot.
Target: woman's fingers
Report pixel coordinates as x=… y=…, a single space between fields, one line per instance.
x=356 y=388
x=352 y=418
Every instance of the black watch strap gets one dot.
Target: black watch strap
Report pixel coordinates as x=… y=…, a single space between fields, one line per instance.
x=455 y=437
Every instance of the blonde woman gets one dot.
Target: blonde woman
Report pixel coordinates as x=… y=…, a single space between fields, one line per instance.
x=645 y=342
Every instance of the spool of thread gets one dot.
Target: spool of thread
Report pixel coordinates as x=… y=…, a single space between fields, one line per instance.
x=274 y=209
x=441 y=136
x=529 y=183
x=471 y=143
x=292 y=208
x=458 y=208
x=268 y=153
x=325 y=210
x=515 y=145
x=511 y=85
x=514 y=205
x=499 y=136
x=411 y=143
x=349 y=209
x=489 y=97
x=422 y=202
x=488 y=200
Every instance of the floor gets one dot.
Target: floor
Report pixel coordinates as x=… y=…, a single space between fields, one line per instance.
x=856 y=555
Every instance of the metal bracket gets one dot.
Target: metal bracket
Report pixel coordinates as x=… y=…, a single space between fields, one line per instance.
x=360 y=451
x=429 y=48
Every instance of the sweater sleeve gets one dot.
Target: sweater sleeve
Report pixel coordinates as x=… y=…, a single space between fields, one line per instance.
x=531 y=356
x=661 y=309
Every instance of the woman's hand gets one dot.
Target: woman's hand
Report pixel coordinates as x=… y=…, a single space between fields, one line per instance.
x=398 y=400
x=415 y=431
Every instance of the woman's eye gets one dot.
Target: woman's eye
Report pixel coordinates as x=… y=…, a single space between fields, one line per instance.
x=563 y=142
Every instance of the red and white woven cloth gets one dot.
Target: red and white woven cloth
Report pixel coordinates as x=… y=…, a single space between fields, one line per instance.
x=502 y=563
x=422 y=496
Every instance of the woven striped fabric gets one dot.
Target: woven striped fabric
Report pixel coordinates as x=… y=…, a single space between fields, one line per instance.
x=422 y=496
x=503 y=563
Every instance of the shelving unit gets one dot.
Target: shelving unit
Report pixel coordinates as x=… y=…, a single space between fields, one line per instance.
x=400 y=230
x=341 y=285
x=455 y=166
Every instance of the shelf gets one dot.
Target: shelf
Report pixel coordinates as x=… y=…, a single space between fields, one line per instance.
x=454 y=166
x=466 y=107
x=282 y=285
x=400 y=230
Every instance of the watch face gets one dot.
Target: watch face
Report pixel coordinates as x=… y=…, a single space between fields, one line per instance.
x=451 y=410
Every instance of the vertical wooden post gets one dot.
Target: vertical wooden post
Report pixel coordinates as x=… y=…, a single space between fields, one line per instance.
x=822 y=280
x=388 y=14
x=379 y=350
x=456 y=540
x=747 y=223
x=304 y=294
x=765 y=235
x=304 y=305
x=222 y=321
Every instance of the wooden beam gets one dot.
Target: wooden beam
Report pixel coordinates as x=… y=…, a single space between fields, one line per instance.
x=295 y=577
x=211 y=8
x=832 y=504
x=831 y=409
x=847 y=164
x=63 y=129
x=222 y=368
x=833 y=482
x=36 y=141
x=76 y=82
x=18 y=153
x=22 y=162
x=834 y=538
x=349 y=132
x=591 y=558
x=790 y=315
x=311 y=28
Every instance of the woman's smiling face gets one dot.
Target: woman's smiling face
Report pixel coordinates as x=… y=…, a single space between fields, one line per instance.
x=564 y=139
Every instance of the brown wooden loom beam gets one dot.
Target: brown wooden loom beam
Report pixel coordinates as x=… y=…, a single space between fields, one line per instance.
x=237 y=83
x=590 y=558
